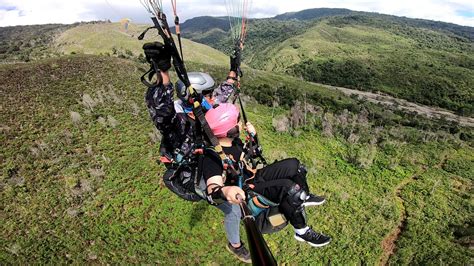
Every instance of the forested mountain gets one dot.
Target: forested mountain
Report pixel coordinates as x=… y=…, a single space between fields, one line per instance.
x=419 y=60
x=204 y=24
x=316 y=13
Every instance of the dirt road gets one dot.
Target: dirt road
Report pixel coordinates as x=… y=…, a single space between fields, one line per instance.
x=395 y=103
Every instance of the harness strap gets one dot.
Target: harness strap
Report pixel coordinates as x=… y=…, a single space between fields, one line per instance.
x=197 y=180
x=258 y=203
x=150 y=73
x=253 y=147
x=262 y=202
x=199 y=114
x=177 y=27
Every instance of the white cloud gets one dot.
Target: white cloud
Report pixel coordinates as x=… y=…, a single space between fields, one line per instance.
x=53 y=11
x=427 y=9
x=40 y=12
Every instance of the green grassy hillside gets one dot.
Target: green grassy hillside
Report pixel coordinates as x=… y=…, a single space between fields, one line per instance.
x=25 y=43
x=112 y=39
x=80 y=184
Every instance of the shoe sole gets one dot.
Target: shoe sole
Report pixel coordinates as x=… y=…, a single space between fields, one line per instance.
x=306 y=204
x=235 y=255
x=312 y=244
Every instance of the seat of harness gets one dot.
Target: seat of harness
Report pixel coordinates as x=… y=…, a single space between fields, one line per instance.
x=257 y=202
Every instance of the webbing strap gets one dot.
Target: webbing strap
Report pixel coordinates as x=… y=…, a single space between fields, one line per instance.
x=252 y=142
x=177 y=27
x=197 y=180
x=259 y=204
x=261 y=201
x=150 y=73
x=168 y=38
x=197 y=133
x=199 y=114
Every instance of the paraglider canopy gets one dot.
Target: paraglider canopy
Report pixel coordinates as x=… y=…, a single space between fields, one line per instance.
x=125 y=22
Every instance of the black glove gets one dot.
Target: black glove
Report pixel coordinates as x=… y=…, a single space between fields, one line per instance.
x=159 y=54
x=235 y=60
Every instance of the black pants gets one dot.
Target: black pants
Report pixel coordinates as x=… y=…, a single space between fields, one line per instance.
x=287 y=172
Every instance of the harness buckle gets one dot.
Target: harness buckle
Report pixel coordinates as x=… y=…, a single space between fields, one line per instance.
x=241 y=166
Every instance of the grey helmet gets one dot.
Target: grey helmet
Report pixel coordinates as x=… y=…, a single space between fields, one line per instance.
x=200 y=81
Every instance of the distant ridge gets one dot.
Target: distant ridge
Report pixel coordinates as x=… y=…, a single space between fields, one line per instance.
x=204 y=24
x=318 y=13
x=315 y=13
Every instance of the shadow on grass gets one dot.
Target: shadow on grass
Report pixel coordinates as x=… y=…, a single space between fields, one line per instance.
x=198 y=212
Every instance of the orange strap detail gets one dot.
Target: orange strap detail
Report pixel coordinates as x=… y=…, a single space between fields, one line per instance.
x=258 y=204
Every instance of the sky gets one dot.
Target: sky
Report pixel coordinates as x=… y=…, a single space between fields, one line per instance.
x=27 y=12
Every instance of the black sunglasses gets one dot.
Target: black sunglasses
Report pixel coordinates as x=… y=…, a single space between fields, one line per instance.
x=207 y=92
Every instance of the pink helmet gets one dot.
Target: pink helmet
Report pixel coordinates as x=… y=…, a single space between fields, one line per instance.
x=223 y=119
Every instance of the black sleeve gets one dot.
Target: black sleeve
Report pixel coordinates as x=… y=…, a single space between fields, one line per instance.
x=211 y=166
x=238 y=143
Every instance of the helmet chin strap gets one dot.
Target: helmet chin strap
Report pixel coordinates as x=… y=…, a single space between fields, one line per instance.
x=234 y=132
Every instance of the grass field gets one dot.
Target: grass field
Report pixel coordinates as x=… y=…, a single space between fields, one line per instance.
x=80 y=184
x=111 y=38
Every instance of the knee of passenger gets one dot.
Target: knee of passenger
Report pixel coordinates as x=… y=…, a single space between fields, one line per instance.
x=292 y=165
x=302 y=170
x=236 y=211
x=296 y=164
x=233 y=215
x=296 y=195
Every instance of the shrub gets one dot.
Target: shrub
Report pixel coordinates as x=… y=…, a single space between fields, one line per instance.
x=348 y=73
x=362 y=156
